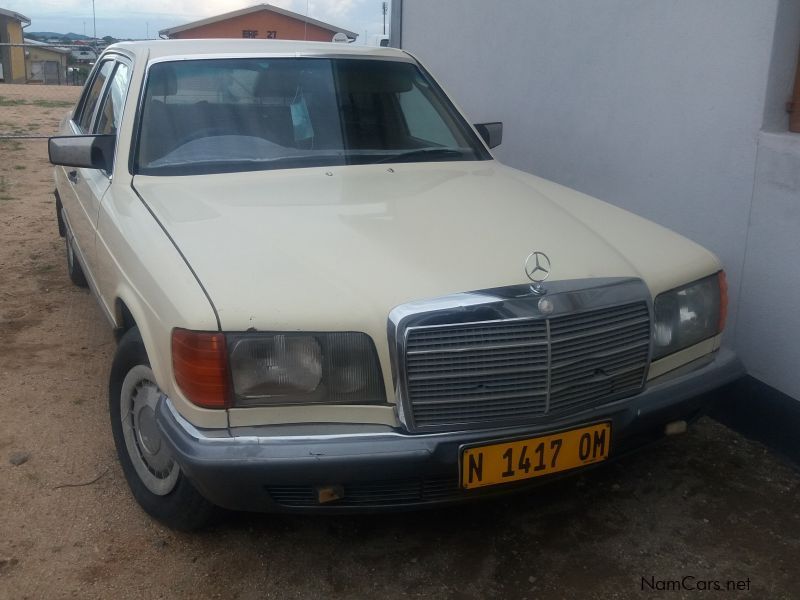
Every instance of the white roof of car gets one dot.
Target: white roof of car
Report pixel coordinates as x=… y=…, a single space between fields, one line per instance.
x=158 y=49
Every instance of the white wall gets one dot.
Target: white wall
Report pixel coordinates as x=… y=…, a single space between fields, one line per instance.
x=655 y=106
x=768 y=336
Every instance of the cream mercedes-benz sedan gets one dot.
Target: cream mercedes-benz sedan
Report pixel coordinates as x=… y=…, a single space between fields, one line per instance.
x=328 y=295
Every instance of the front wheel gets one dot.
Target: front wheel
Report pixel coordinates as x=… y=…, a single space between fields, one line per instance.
x=154 y=477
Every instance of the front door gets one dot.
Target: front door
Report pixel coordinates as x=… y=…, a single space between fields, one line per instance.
x=101 y=113
x=84 y=184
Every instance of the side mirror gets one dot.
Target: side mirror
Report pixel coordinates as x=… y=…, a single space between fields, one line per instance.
x=492 y=133
x=86 y=151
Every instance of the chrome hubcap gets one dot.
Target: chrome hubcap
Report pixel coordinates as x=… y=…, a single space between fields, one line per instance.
x=149 y=455
x=149 y=437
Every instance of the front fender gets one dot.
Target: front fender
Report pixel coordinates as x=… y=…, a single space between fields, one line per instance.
x=140 y=268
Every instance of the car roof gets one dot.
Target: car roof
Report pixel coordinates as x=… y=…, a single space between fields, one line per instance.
x=160 y=49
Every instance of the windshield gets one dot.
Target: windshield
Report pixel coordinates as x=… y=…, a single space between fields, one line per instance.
x=226 y=115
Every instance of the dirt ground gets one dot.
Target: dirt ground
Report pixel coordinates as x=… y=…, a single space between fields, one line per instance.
x=709 y=505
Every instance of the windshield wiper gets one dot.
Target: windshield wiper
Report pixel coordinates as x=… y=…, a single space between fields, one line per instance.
x=234 y=165
x=424 y=152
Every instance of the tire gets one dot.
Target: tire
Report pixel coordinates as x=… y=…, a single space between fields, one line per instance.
x=154 y=478
x=74 y=269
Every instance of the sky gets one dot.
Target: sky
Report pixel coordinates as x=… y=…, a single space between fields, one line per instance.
x=138 y=19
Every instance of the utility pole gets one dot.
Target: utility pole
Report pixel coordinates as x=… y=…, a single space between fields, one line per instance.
x=94 y=27
x=385 y=9
x=305 y=24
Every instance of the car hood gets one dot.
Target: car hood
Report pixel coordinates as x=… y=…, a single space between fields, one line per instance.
x=337 y=248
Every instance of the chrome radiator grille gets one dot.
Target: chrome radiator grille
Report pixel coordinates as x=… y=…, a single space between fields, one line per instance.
x=522 y=369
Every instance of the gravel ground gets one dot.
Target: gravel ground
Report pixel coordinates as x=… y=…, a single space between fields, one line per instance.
x=709 y=505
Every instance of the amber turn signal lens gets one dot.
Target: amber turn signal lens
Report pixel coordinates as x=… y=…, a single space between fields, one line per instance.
x=200 y=364
x=723 y=300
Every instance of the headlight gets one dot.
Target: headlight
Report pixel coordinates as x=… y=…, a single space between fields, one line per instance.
x=689 y=314
x=304 y=368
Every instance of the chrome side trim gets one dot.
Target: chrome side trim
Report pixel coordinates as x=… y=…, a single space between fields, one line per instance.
x=684 y=369
x=700 y=376
x=229 y=436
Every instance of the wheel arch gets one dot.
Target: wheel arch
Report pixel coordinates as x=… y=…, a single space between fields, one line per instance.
x=130 y=310
x=123 y=319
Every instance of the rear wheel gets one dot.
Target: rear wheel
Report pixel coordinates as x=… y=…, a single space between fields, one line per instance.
x=73 y=266
x=154 y=477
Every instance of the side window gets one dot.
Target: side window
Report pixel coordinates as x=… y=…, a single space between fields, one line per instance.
x=111 y=112
x=422 y=120
x=93 y=96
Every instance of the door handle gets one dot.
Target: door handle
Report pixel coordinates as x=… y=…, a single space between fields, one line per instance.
x=72 y=176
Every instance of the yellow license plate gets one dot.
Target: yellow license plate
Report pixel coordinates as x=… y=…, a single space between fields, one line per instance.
x=534 y=457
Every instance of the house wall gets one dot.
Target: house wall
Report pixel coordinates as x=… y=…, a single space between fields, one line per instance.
x=5 y=56
x=35 y=54
x=657 y=107
x=286 y=28
x=13 y=58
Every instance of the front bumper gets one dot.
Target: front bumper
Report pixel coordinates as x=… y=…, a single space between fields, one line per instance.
x=378 y=468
